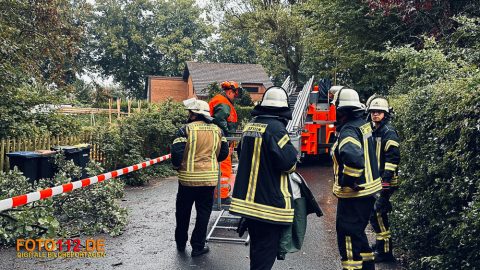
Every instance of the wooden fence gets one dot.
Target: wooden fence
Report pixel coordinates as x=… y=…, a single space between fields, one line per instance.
x=46 y=143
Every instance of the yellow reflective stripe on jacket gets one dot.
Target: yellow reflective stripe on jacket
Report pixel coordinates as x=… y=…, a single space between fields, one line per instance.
x=284 y=140
x=191 y=140
x=378 y=150
x=366 y=130
x=263 y=207
x=261 y=211
x=391 y=143
x=214 y=151
x=347 y=192
x=180 y=140
x=335 y=163
x=390 y=166
x=284 y=190
x=199 y=175
x=349 y=140
x=366 y=157
x=352 y=171
x=224 y=139
x=252 y=181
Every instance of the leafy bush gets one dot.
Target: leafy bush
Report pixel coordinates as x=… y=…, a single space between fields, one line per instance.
x=143 y=135
x=436 y=214
x=88 y=210
x=243 y=113
x=27 y=111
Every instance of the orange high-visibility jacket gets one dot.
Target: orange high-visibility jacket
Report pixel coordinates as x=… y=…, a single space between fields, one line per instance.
x=224 y=113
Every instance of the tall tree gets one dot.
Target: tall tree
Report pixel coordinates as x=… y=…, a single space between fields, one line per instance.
x=278 y=29
x=40 y=44
x=135 y=38
x=231 y=46
x=346 y=44
x=40 y=39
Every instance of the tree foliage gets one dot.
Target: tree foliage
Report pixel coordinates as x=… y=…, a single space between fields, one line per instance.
x=132 y=39
x=437 y=103
x=41 y=40
x=276 y=28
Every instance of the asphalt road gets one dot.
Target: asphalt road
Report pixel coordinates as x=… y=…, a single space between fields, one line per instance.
x=148 y=241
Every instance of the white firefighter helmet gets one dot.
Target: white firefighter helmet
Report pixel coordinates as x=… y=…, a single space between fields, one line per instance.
x=197 y=106
x=275 y=97
x=378 y=103
x=334 y=89
x=347 y=98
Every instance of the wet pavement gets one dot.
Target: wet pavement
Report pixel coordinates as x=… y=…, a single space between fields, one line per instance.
x=148 y=242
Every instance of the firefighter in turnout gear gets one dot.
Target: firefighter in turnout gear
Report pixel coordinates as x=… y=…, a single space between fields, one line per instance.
x=225 y=116
x=262 y=192
x=388 y=157
x=357 y=180
x=196 y=151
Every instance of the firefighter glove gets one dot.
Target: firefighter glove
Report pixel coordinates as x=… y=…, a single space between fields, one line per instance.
x=382 y=205
x=242 y=226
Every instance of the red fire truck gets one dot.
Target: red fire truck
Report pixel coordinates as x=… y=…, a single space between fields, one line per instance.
x=312 y=129
x=319 y=131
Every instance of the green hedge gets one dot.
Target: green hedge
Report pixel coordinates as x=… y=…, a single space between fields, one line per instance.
x=436 y=218
x=143 y=135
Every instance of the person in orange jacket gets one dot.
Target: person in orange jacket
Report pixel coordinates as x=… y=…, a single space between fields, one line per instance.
x=225 y=116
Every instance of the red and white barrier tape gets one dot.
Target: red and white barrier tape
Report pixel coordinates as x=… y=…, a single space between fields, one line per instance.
x=50 y=192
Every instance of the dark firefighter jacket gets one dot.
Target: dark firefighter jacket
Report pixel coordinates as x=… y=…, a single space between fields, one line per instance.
x=388 y=153
x=354 y=161
x=262 y=190
x=223 y=113
x=196 y=151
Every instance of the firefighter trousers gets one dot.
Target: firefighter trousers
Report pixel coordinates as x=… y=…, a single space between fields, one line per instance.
x=264 y=243
x=203 y=199
x=381 y=226
x=352 y=218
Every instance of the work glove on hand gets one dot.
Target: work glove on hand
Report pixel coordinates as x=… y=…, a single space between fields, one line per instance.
x=242 y=226
x=382 y=205
x=349 y=181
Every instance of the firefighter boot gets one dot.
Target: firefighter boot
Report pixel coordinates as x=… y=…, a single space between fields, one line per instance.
x=198 y=252
x=384 y=257
x=383 y=251
x=368 y=265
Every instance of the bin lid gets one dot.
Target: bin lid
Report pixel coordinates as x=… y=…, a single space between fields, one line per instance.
x=62 y=147
x=82 y=145
x=24 y=154
x=46 y=152
x=66 y=148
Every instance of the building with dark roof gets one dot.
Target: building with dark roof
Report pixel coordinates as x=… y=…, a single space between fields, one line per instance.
x=197 y=76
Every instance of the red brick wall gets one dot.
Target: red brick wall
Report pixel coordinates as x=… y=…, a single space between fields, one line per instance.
x=256 y=96
x=161 y=88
